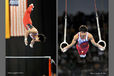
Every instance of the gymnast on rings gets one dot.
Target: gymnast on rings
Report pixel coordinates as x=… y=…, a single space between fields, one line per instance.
x=82 y=38
x=30 y=29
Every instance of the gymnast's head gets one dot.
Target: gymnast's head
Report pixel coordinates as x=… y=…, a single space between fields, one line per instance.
x=83 y=29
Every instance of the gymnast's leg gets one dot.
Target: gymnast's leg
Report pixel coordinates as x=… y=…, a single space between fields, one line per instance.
x=26 y=36
x=32 y=43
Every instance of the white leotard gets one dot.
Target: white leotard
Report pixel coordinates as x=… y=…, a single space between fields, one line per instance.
x=80 y=41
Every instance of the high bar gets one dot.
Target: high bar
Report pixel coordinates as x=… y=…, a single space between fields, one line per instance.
x=19 y=57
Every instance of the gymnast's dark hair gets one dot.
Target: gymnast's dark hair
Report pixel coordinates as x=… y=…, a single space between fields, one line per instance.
x=83 y=28
x=42 y=37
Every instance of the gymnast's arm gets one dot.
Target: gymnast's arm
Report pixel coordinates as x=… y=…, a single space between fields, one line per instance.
x=72 y=43
x=93 y=41
x=30 y=8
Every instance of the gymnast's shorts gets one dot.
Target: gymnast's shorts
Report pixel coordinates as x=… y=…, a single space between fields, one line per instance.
x=28 y=26
x=82 y=51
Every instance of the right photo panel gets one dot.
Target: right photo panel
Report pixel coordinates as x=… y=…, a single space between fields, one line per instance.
x=83 y=38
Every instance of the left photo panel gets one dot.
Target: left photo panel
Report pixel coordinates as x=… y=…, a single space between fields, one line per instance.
x=30 y=34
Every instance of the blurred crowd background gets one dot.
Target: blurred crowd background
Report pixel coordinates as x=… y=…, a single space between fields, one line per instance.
x=96 y=61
